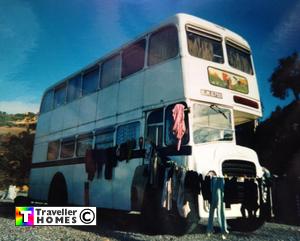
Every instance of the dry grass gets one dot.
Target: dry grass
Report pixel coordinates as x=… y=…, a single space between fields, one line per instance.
x=11 y=130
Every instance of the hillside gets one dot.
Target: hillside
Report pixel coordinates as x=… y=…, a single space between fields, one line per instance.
x=16 y=143
x=20 y=119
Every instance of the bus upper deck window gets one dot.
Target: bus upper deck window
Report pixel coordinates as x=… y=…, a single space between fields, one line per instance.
x=133 y=58
x=239 y=57
x=90 y=81
x=74 y=88
x=205 y=46
x=47 y=103
x=163 y=45
x=60 y=95
x=110 y=71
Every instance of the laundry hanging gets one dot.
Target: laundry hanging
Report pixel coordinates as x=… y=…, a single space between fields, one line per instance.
x=179 y=127
x=90 y=164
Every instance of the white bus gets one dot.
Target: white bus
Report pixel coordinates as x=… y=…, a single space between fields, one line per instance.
x=96 y=126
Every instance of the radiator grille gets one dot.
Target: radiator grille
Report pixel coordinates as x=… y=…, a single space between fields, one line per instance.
x=239 y=168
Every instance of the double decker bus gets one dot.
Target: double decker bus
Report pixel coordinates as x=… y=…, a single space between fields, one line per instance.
x=106 y=134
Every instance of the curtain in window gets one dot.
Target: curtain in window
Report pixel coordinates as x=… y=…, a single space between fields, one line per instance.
x=239 y=59
x=74 y=88
x=163 y=45
x=200 y=47
x=110 y=71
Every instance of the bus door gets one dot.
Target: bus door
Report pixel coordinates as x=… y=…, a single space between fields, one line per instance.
x=154 y=127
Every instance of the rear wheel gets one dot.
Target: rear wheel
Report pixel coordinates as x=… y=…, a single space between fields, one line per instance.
x=58 y=194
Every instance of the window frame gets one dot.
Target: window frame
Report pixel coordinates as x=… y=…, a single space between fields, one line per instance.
x=187 y=124
x=85 y=136
x=105 y=130
x=157 y=125
x=115 y=55
x=67 y=140
x=208 y=35
x=149 y=44
x=57 y=152
x=132 y=47
x=87 y=72
x=56 y=88
x=51 y=91
x=240 y=48
x=127 y=124
x=77 y=77
x=209 y=126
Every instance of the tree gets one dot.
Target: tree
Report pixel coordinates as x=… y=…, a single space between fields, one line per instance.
x=286 y=76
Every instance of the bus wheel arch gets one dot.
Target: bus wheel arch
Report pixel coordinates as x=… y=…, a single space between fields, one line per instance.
x=58 y=191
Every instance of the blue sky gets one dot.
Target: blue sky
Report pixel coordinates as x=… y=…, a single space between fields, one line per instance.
x=43 y=41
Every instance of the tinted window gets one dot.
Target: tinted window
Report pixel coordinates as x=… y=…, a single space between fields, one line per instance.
x=59 y=95
x=128 y=132
x=74 y=88
x=104 y=140
x=239 y=58
x=47 y=103
x=67 y=148
x=205 y=46
x=90 y=81
x=53 y=149
x=170 y=137
x=133 y=58
x=110 y=71
x=84 y=142
x=163 y=45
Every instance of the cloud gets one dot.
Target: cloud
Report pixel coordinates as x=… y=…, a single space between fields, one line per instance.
x=14 y=107
x=19 y=30
x=286 y=34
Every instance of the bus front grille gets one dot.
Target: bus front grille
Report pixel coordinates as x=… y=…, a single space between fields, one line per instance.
x=238 y=168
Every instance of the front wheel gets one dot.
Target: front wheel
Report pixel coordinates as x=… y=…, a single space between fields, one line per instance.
x=156 y=219
x=249 y=224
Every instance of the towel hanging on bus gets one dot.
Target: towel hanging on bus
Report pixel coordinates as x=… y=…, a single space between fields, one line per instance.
x=179 y=127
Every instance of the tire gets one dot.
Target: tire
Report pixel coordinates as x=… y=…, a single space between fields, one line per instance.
x=249 y=224
x=159 y=220
x=58 y=194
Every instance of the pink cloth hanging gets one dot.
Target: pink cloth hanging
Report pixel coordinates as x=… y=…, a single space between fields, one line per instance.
x=179 y=125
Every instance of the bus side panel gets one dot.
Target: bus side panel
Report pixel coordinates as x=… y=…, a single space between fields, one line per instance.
x=163 y=82
x=57 y=119
x=43 y=124
x=101 y=192
x=38 y=187
x=131 y=93
x=71 y=114
x=87 y=109
x=75 y=176
x=122 y=182
x=107 y=102
x=39 y=152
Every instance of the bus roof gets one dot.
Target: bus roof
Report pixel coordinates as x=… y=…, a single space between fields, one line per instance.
x=181 y=19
